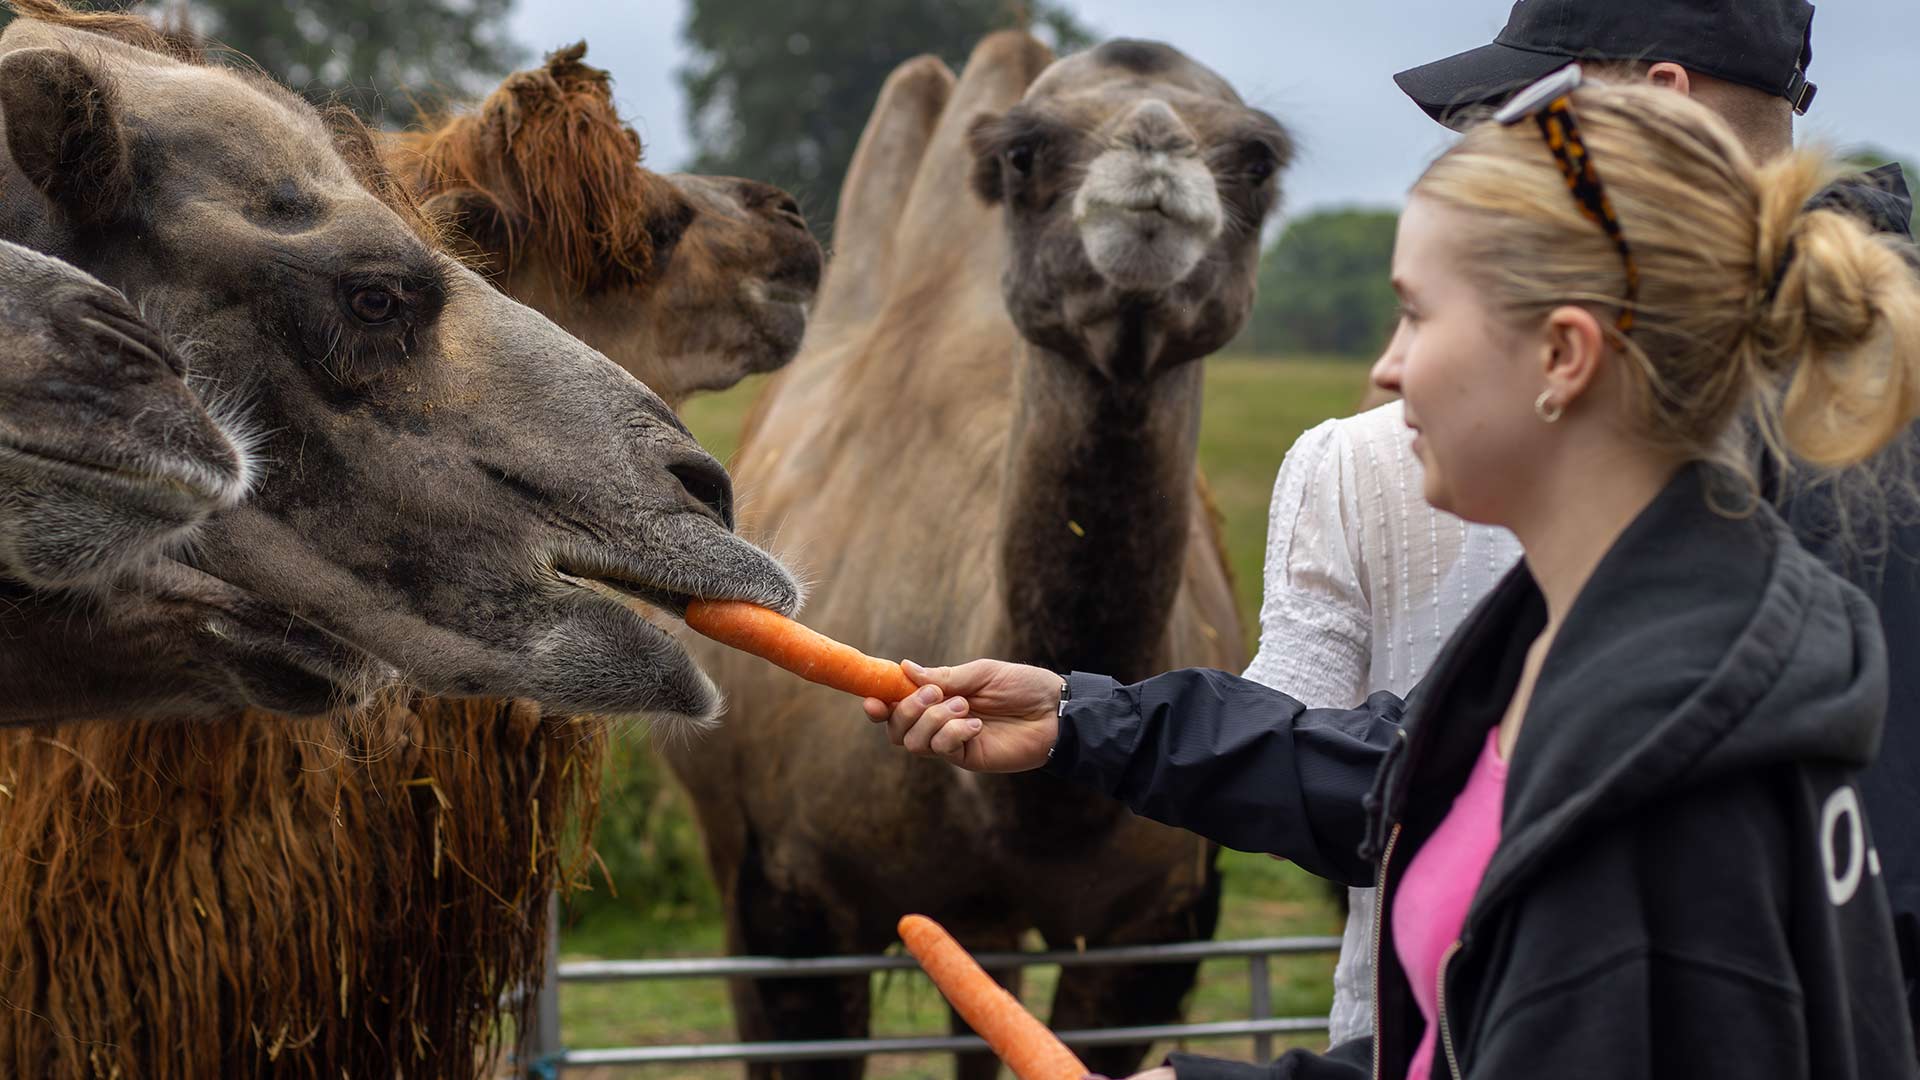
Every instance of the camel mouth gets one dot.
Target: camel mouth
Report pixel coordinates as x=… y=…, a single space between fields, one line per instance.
x=724 y=568
x=162 y=486
x=773 y=292
x=626 y=591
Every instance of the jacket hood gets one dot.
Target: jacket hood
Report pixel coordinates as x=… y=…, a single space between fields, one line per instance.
x=1879 y=196
x=1705 y=644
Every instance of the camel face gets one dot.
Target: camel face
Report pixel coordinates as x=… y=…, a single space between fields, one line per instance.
x=1135 y=183
x=690 y=283
x=732 y=295
x=106 y=457
x=455 y=485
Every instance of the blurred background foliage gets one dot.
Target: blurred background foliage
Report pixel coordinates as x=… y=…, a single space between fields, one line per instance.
x=780 y=92
x=386 y=58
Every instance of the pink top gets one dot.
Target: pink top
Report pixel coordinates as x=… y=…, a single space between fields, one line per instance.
x=1431 y=906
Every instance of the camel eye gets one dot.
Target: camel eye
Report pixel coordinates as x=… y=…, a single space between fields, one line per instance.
x=1021 y=158
x=373 y=304
x=1260 y=164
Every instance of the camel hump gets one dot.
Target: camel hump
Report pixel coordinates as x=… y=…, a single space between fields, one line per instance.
x=1000 y=69
x=876 y=189
x=942 y=211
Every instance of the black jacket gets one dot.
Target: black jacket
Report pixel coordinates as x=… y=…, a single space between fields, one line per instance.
x=1884 y=564
x=1684 y=885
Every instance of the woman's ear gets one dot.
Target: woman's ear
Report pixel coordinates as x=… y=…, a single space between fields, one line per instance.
x=1572 y=348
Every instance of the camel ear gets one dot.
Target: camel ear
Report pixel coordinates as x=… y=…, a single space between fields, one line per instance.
x=62 y=132
x=987 y=138
x=477 y=229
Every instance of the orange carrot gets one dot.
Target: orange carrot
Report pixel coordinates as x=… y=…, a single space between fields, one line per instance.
x=1024 y=1043
x=807 y=653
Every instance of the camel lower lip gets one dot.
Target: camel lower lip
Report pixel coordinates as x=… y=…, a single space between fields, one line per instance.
x=186 y=485
x=787 y=294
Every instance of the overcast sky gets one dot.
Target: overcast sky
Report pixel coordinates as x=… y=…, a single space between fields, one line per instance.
x=1324 y=68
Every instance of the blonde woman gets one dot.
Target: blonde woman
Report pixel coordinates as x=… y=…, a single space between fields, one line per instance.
x=1618 y=833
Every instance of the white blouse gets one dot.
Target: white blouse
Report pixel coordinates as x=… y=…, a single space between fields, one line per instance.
x=1364 y=583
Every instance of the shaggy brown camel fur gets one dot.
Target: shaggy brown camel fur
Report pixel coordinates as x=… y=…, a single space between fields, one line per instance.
x=689 y=282
x=988 y=448
x=456 y=485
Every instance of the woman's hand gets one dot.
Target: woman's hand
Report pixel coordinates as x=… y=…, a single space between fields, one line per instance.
x=987 y=716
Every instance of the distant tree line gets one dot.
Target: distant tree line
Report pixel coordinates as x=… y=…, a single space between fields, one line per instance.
x=1324 y=287
x=386 y=58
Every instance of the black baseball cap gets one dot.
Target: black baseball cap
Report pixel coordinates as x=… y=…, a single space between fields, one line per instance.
x=1765 y=44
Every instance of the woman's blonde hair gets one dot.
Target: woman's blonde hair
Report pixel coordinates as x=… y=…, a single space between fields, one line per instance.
x=1806 y=320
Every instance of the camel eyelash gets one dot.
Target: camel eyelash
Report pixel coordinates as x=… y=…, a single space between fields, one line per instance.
x=375 y=324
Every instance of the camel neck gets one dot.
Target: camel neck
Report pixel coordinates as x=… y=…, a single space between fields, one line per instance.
x=1098 y=513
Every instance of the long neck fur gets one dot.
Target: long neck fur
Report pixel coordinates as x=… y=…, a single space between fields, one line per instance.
x=1098 y=509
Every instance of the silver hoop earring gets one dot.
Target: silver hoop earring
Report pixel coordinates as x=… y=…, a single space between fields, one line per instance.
x=1546 y=409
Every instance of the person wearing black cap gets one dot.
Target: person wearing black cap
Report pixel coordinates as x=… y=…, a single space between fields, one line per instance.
x=1748 y=60
x=1758 y=45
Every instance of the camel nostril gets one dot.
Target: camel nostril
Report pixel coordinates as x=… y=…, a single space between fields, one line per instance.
x=708 y=485
x=770 y=201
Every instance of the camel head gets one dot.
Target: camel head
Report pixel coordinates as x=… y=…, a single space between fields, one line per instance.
x=1134 y=183
x=689 y=282
x=453 y=484
x=106 y=457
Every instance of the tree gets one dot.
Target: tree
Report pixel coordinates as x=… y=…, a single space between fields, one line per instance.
x=780 y=92
x=380 y=56
x=1325 y=286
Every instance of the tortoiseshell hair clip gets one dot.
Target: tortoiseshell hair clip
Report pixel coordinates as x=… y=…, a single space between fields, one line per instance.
x=1550 y=103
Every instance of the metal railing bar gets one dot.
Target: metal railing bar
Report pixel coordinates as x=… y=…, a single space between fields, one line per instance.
x=709 y=967
x=843 y=1048
x=1260 y=1002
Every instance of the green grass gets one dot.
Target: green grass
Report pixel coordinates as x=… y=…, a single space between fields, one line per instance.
x=1254 y=410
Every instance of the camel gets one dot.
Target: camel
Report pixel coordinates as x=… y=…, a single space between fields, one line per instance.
x=691 y=283
x=987 y=448
x=463 y=489
x=455 y=486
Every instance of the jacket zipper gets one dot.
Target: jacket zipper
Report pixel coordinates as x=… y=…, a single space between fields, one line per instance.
x=1379 y=924
x=1440 y=1012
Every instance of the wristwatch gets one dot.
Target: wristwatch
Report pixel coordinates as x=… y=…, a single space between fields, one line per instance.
x=1066 y=695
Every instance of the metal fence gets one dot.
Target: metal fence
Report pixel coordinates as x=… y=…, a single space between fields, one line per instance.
x=541 y=1055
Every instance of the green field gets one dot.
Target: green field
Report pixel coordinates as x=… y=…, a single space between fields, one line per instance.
x=1254 y=410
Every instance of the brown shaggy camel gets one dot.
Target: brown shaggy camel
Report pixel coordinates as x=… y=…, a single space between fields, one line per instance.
x=988 y=448
x=689 y=282
x=455 y=485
